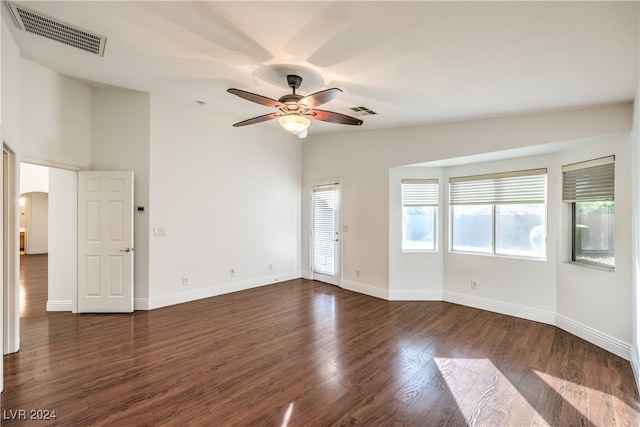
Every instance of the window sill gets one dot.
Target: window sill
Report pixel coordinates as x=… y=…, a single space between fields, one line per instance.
x=493 y=255
x=592 y=266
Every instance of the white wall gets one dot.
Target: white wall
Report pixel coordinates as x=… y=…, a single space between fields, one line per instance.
x=363 y=160
x=10 y=133
x=37 y=228
x=62 y=240
x=34 y=187
x=368 y=163
x=590 y=299
x=55 y=118
x=11 y=77
x=33 y=178
x=121 y=142
x=229 y=199
x=522 y=287
x=414 y=275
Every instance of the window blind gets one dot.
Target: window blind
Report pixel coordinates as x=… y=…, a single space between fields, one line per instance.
x=324 y=229
x=592 y=180
x=523 y=187
x=419 y=192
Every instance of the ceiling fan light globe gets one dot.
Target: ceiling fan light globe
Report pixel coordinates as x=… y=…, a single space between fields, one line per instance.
x=294 y=123
x=302 y=134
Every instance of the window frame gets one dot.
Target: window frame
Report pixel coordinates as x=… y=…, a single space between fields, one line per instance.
x=431 y=200
x=500 y=198
x=588 y=181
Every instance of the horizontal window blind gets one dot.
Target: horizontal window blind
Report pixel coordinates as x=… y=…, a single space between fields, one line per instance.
x=593 y=180
x=419 y=192
x=523 y=187
x=324 y=226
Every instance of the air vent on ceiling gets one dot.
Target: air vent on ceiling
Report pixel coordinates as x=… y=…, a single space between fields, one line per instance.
x=38 y=23
x=363 y=111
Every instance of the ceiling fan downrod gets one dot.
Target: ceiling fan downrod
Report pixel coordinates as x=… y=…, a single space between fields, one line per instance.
x=294 y=82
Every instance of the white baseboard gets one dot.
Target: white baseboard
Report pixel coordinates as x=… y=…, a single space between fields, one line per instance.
x=523 y=312
x=413 y=295
x=37 y=251
x=578 y=329
x=602 y=340
x=365 y=289
x=212 y=291
x=59 y=305
x=598 y=338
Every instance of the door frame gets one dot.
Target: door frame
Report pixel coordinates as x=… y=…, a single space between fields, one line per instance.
x=339 y=249
x=11 y=247
x=10 y=252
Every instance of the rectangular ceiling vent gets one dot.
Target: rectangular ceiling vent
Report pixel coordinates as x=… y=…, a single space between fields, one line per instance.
x=46 y=26
x=363 y=111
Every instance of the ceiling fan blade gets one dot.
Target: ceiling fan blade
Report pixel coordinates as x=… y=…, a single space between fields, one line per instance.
x=258 y=119
x=254 y=97
x=320 y=97
x=333 y=117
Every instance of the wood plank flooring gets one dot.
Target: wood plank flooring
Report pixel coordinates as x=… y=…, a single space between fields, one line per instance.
x=303 y=353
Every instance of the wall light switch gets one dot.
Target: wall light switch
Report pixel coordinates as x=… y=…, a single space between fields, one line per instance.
x=160 y=231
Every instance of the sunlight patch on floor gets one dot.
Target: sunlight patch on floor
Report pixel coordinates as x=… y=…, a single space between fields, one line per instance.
x=480 y=389
x=575 y=395
x=287 y=416
x=22 y=298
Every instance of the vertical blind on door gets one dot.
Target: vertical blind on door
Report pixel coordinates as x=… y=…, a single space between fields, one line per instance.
x=522 y=187
x=592 y=180
x=324 y=228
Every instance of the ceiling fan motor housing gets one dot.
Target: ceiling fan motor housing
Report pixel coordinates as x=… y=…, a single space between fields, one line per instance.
x=294 y=81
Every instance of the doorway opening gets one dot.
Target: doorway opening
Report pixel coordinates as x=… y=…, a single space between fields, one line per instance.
x=50 y=227
x=33 y=230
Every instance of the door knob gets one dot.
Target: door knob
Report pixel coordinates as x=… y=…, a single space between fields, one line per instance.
x=127 y=249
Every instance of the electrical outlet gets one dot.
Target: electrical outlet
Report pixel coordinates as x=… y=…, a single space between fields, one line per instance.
x=270 y=267
x=185 y=280
x=358 y=273
x=474 y=284
x=233 y=272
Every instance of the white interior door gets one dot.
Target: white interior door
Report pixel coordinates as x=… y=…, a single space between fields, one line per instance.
x=105 y=242
x=325 y=250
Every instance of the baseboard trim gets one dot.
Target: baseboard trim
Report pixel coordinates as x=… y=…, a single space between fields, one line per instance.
x=212 y=291
x=609 y=343
x=605 y=341
x=60 y=305
x=36 y=251
x=515 y=310
x=413 y=295
x=602 y=340
x=365 y=289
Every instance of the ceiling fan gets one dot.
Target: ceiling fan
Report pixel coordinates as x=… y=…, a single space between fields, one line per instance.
x=295 y=110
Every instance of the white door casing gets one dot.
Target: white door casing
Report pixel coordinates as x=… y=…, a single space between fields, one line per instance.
x=105 y=242
x=325 y=235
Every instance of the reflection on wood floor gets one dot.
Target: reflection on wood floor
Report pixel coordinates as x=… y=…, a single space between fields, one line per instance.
x=302 y=353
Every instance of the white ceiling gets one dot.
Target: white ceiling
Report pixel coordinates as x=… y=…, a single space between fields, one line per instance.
x=411 y=62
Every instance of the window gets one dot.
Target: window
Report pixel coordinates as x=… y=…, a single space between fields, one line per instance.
x=419 y=214
x=588 y=187
x=499 y=214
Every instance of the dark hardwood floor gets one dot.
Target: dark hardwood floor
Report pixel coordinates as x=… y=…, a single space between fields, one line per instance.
x=303 y=353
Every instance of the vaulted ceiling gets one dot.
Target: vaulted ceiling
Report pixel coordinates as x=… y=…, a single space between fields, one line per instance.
x=411 y=62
